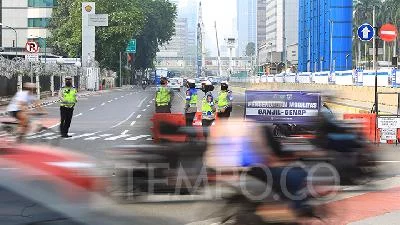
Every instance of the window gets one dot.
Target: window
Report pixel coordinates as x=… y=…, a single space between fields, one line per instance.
x=38 y=22
x=42 y=3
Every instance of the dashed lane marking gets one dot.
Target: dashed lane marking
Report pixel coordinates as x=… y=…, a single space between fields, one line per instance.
x=102 y=104
x=133 y=123
x=144 y=110
x=117 y=137
x=40 y=135
x=141 y=102
x=83 y=135
x=92 y=109
x=80 y=114
x=137 y=138
x=138 y=116
x=119 y=124
x=148 y=105
x=125 y=132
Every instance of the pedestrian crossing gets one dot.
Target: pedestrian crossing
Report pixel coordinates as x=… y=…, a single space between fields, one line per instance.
x=93 y=137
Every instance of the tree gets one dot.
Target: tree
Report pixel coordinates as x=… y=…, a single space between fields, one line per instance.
x=151 y=22
x=251 y=49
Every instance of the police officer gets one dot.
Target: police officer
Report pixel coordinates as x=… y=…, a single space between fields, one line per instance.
x=208 y=108
x=163 y=97
x=191 y=102
x=224 y=101
x=68 y=100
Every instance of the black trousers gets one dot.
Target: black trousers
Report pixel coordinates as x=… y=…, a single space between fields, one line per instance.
x=206 y=126
x=66 y=117
x=189 y=119
x=225 y=114
x=163 y=109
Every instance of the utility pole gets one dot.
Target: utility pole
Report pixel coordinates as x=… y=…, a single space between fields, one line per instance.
x=219 y=52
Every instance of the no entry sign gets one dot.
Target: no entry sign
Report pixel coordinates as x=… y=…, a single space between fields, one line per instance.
x=388 y=32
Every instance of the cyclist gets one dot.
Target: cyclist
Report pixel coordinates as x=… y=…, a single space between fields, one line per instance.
x=18 y=107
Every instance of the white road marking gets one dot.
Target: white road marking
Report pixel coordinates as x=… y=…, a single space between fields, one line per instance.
x=133 y=123
x=103 y=103
x=117 y=137
x=56 y=125
x=50 y=104
x=40 y=135
x=80 y=114
x=92 y=109
x=122 y=96
x=105 y=135
x=138 y=116
x=153 y=99
x=115 y=98
x=119 y=124
x=148 y=105
x=137 y=138
x=150 y=102
x=53 y=137
x=110 y=101
x=149 y=139
x=144 y=110
x=91 y=138
x=83 y=135
x=141 y=102
x=125 y=132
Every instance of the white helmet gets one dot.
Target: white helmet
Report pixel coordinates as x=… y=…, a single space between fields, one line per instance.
x=208 y=82
x=192 y=81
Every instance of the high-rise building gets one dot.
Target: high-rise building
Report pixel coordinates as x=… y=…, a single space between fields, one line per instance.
x=177 y=47
x=246 y=24
x=325 y=35
x=281 y=29
x=261 y=21
x=29 y=19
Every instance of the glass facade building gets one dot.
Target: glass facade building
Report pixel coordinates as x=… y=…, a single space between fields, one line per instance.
x=325 y=35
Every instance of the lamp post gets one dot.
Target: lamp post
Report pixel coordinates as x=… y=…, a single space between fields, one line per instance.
x=60 y=63
x=78 y=65
x=16 y=37
x=347 y=56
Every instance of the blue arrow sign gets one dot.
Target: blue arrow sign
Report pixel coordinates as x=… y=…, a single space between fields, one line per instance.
x=366 y=32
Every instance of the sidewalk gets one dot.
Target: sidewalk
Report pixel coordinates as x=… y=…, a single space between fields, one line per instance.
x=50 y=100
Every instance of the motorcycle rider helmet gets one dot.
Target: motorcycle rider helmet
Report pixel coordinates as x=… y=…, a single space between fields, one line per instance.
x=191 y=83
x=224 y=85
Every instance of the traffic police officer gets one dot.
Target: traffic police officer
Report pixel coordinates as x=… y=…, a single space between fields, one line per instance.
x=224 y=101
x=68 y=100
x=191 y=102
x=163 y=97
x=208 y=108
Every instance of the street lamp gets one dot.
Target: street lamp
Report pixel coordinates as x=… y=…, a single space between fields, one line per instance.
x=78 y=65
x=347 y=56
x=271 y=52
x=331 y=47
x=60 y=63
x=16 y=37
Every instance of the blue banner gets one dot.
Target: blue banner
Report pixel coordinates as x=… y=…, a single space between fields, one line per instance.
x=282 y=107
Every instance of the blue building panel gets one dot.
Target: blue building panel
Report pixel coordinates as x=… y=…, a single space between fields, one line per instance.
x=320 y=23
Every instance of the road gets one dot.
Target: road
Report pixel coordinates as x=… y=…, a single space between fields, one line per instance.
x=122 y=117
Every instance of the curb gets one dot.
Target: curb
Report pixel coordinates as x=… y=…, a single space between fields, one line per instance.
x=5 y=113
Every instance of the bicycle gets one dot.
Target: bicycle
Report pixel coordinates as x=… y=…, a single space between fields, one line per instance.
x=9 y=131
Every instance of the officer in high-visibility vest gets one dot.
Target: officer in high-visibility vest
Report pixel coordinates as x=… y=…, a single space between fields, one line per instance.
x=224 y=101
x=67 y=96
x=163 y=97
x=191 y=102
x=208 y=108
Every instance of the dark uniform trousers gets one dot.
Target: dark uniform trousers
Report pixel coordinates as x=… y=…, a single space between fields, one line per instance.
x=163 y=109
x=66 y=117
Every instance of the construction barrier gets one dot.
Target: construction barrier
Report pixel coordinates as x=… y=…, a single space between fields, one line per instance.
x=165 y=127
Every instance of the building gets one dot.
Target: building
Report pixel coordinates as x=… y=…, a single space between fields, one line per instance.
x=29 y=19
x=177 y=47
x=246 y=25
x=325 y=35
x=261 y=21
x=292 y=52
x=281 y=29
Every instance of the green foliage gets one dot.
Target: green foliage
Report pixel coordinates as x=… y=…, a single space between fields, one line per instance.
x=151 y=22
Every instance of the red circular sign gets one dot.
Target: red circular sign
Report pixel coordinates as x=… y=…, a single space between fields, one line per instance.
x=388 y=32
x=32 y=47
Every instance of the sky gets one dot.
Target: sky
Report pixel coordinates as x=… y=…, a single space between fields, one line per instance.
x=221 y=11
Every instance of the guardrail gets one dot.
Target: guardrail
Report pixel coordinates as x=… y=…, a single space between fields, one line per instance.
x=386 y=78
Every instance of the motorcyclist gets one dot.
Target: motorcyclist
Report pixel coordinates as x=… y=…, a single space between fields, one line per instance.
x=208 y=107
x=224 y=101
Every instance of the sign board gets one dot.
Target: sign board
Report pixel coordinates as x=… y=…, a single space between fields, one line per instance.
x=131 y=48
x=388 y=134
x=293 y=107
x=32 y=47
x=371 y=51
x=32 y=57
x=98 y=20
x=366 y=32
x=388 y=122
x=388 y=32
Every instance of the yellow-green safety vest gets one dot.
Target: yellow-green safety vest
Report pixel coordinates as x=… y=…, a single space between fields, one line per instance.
x=69 y=97
x=223 y=99
x=207 y=110
x=163 y=97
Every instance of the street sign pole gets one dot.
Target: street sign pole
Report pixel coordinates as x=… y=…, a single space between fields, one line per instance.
x=120 y=69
